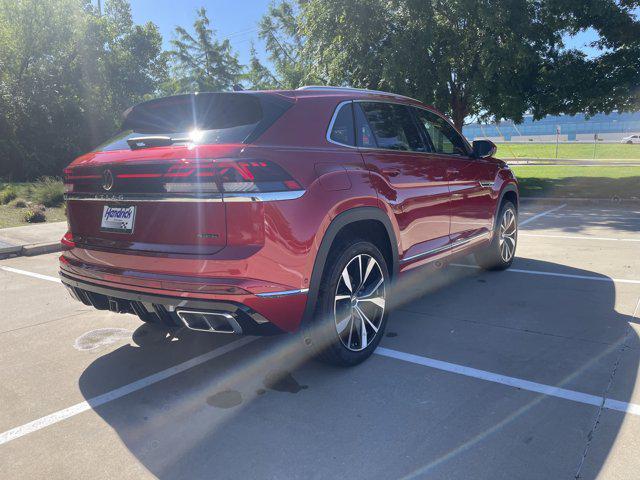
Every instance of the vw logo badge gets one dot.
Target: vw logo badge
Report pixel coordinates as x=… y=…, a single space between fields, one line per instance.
x=107 y=180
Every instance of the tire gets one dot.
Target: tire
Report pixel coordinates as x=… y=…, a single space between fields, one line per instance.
x=342 y=342
x=629 y=142
x=500 y=253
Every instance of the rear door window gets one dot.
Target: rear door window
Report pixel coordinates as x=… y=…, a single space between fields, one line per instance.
x=440 y=133
x=393 y=126
x=364 y=135
x=342 y=130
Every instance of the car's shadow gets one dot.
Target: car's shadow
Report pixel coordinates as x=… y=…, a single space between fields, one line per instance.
x=263 y=411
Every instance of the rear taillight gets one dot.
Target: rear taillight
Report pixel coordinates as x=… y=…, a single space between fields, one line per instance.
x=194 y=187
x=68 y=186
x=67 y=241
x=186 y=176
x=228 y=176
x=254 y=176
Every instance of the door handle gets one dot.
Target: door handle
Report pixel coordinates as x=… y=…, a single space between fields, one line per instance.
x=391 y=172
x=452 y=171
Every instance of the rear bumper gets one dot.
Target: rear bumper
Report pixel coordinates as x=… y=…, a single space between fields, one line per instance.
x=254 y=314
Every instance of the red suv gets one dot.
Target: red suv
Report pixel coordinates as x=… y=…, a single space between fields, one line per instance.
x=263 y=212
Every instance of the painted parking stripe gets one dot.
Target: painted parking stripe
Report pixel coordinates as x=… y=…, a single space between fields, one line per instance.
x=561 y=275
x=112 y=395
x=578 y=237
x=550 y=390
x=535 y=217
x=30 y=274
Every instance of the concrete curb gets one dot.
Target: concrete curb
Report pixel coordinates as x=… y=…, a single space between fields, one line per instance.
x=571 y=161
x=30 y=250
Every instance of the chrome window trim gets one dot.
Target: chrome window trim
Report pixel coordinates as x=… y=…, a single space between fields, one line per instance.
x=360 y=100
x=449 y=246
x=333 y=120
x=213 y=198
x=283 y=293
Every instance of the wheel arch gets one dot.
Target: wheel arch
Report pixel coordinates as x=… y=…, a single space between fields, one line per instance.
x=509 y=192
x=346 y=223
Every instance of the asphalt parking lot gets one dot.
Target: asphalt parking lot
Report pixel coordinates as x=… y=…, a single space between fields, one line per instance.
x=529 y=373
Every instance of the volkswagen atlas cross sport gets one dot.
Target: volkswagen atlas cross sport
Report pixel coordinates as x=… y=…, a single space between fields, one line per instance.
x=260 y=212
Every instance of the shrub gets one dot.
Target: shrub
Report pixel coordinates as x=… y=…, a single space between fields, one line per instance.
x=8 y=194
x=19 y=203
x=49 y=191
x=35 y=215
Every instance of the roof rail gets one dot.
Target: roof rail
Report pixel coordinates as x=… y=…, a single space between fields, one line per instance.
x=348 y=89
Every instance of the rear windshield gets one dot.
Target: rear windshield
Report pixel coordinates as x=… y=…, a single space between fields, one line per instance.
x=204 y=118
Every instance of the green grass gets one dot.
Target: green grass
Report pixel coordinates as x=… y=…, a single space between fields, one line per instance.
x=14 y=217
x=582 y=151
x=579 y=182
x=47 y=191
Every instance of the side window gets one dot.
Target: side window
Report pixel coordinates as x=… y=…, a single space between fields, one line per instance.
x=364 y=136
x=393 y=127
x=342 y=130
x=442 y=135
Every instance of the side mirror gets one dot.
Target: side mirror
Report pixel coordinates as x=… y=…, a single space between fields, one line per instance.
x=483 y=148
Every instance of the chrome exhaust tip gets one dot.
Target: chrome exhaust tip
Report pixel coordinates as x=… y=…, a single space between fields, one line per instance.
x=212 y=322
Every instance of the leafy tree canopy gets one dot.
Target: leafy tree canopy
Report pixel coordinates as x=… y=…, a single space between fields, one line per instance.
x=478 y=58
x=201 y=63
x=66 y=74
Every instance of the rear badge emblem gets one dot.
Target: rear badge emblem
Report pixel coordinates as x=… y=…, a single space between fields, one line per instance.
x=107 y=180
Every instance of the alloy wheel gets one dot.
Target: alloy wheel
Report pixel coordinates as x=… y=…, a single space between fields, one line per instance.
x=359 y=302
x=508 y=235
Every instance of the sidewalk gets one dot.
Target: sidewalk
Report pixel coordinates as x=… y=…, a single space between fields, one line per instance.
x=31 y=239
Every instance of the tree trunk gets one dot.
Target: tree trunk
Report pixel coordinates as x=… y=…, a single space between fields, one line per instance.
x=458 y=112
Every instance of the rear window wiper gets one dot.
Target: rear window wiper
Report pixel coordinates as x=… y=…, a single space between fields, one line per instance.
x=136 y=143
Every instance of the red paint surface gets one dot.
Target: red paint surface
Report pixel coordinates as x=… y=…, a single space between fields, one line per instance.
x=197 y=250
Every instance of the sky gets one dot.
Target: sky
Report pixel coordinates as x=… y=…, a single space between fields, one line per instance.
x=238 y=20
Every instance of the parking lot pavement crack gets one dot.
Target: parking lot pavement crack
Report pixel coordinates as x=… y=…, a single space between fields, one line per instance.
x=596 y=423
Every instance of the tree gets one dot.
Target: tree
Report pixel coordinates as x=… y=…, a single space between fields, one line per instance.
x=281 y=31
x=259 y=77
x=477 y=58
x=200 y=62
x=66 y=75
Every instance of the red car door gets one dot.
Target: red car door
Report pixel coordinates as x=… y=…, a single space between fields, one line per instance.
x=470 y=179
x=406 y=176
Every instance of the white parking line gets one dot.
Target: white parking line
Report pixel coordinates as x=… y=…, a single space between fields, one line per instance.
x=562 y=275
x=549 y=390
x=30 y=274
x=578 y=237
x=94 y=402
x=535 y=217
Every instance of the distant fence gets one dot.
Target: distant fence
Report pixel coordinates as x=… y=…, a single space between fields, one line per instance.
x=561 y=138
x=611 y=127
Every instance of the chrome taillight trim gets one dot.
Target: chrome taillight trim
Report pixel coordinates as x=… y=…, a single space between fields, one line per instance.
x=227 y=197
x=139 y=198
x=263 y=197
